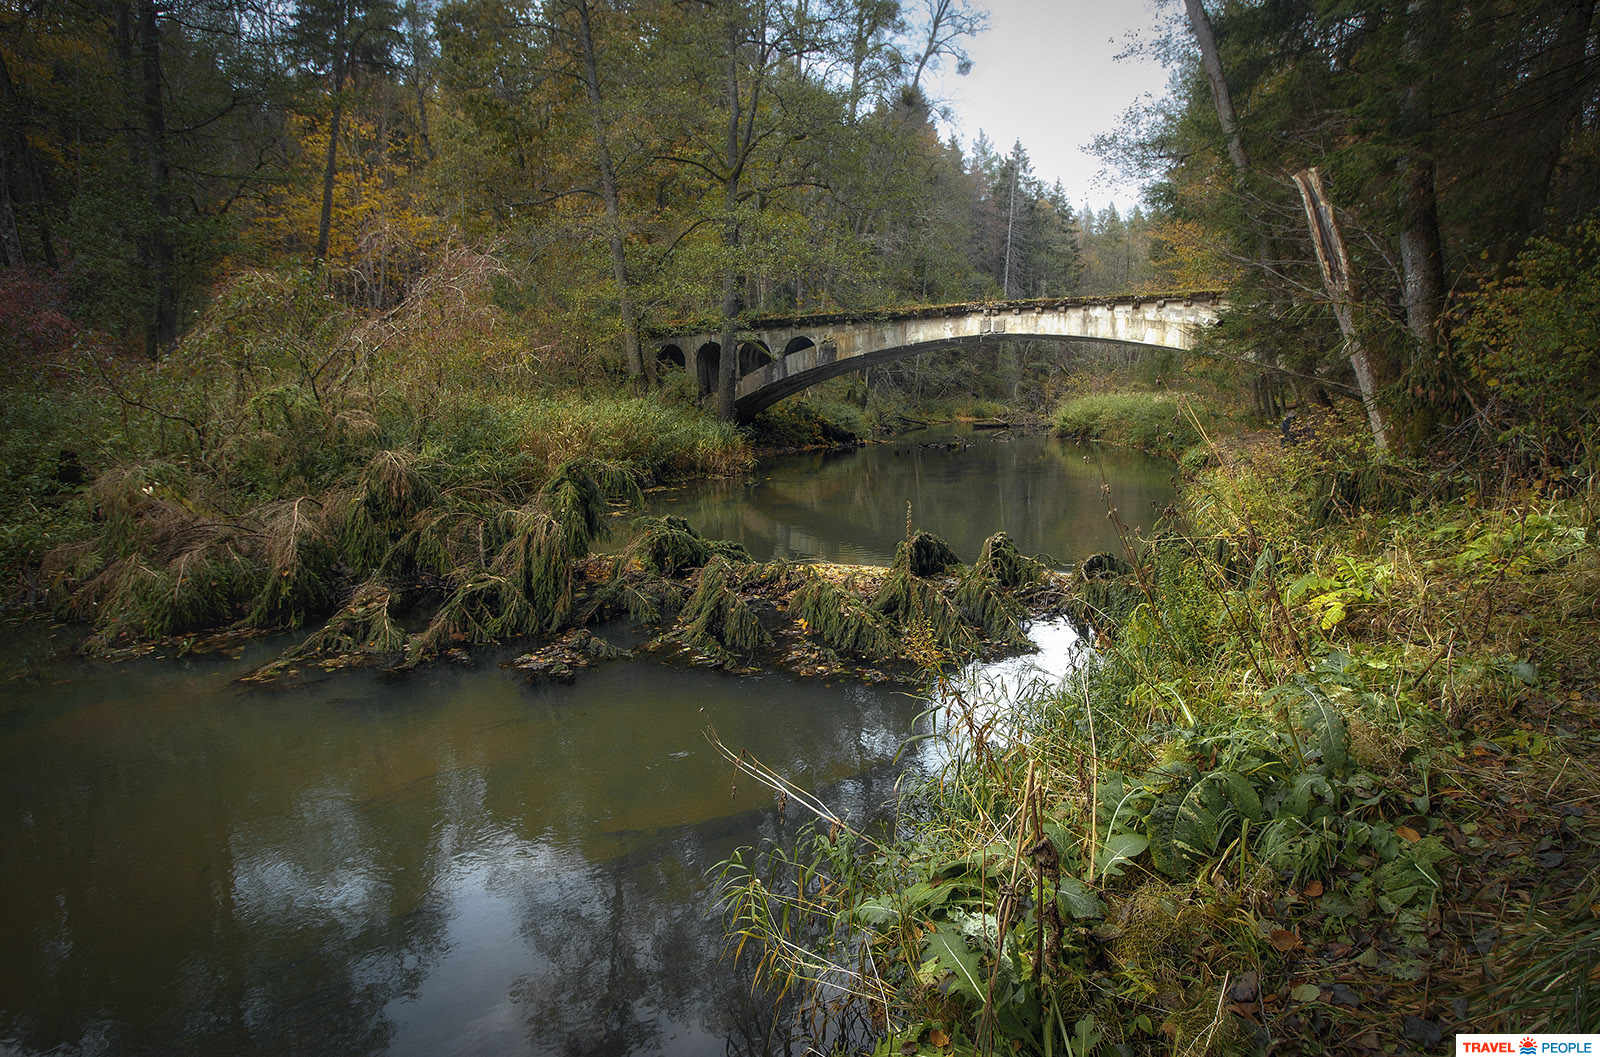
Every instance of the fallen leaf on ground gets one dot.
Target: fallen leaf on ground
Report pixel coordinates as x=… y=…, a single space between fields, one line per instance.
x=1424 y=1031
x=1306 y=993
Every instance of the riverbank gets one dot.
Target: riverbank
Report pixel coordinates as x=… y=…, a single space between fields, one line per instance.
x=1328 y=789
x=290 y=454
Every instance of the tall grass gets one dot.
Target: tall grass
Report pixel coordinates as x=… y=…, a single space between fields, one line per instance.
x=1158 y=422
x=276 y=444
x=659 y=438
x=1285 y=768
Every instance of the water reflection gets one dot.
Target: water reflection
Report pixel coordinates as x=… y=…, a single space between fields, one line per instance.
x=1002 y=701
x=455 y=862
x=851 y=507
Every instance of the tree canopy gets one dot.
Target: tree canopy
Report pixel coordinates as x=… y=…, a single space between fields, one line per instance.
x=634 y=161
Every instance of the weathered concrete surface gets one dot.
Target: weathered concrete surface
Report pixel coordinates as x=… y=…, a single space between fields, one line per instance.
x=780 y=357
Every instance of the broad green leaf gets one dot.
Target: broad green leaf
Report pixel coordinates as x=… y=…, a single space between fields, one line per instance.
x=948 y=948
x=1085 y=1036
x=923 y=895
x=1241 y=794
x=1080 y=900
x=1118 y=850
x=877 y=911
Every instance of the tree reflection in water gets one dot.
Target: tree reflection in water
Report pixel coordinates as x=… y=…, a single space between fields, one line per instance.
x=450 y=863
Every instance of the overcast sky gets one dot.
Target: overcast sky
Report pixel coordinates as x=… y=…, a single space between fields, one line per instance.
x=1045 y=72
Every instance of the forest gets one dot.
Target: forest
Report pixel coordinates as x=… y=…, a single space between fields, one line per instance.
x=311 y=313
x=631 y=164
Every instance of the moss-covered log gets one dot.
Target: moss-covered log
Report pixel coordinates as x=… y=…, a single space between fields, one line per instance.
x=670 y=546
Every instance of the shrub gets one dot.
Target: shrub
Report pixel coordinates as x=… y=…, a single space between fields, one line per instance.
x=1534 y=337
x=808 y=424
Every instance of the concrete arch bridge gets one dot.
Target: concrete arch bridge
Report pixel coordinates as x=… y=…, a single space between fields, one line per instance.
x=780 y=356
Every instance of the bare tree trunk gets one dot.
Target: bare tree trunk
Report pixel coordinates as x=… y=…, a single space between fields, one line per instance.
x=330 y=162
x=1211 y=59
x=162 y=328
x=1336 y=279
x=638 y=367
x=416 y=36
x=1011 y=217
x=1422 y=259
x=938 y=11
x=1421 y=252
x=11 y=255
x=728 y=365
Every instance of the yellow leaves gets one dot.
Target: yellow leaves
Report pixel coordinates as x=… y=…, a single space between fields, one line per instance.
x=1193 y=259
x=376 y=235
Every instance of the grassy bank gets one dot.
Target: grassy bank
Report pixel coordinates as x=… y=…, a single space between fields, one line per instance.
x=1159 y=422
x=1328 y=787
x=289 y=456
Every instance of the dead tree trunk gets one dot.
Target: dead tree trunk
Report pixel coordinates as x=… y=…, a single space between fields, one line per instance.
x=1211 y=59
x=1337 y=280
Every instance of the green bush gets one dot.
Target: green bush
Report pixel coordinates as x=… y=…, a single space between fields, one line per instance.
x=808 y=423
x=1161 y=423
x=1534 y=337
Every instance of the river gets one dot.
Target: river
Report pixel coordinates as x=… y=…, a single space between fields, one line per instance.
x=457 y=862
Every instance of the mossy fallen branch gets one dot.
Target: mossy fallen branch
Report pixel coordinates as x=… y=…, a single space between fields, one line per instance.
x=911 y=601
x=718 y=621
x=842 y=620
x=670 y=546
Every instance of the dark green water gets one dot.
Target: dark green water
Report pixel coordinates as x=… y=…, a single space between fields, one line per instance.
x=453 y=862
x=851 y=507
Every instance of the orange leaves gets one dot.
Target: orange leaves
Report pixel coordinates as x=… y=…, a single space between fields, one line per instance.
x=1283 y=940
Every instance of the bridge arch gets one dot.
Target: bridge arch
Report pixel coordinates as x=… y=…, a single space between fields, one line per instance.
x=816 y=348
x=753 y=355
x=751 y=403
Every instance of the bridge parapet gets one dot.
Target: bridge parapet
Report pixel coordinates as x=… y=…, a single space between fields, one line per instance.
x=780 y=356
